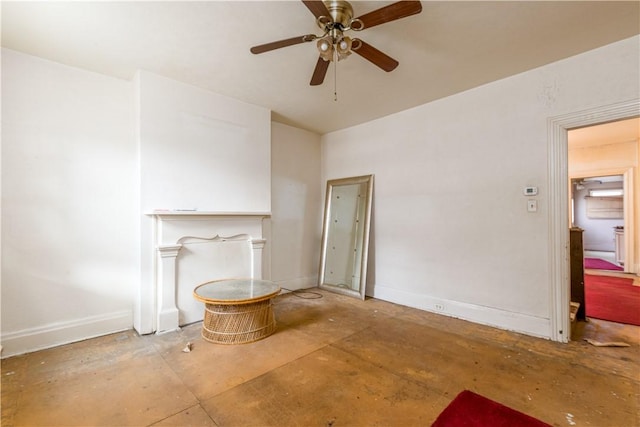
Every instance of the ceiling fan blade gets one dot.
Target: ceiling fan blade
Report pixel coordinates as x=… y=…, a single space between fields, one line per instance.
x=320 y=71
x=317 y=8
x=282 y=43
x=394 y=11
x=372 y=54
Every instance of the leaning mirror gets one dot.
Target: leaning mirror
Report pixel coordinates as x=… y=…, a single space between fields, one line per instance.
x=345 y=235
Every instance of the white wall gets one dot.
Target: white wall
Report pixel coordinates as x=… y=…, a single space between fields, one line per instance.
x=201 y=150
x=69 y=203
x=296 y=215
x=451 y=224
x=83 y=157
x=198 y=150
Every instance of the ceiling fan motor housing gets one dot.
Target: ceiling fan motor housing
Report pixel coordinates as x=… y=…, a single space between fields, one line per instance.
x=341 y=12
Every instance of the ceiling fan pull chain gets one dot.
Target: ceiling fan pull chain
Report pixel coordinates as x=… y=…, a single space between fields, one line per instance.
x=335 y=79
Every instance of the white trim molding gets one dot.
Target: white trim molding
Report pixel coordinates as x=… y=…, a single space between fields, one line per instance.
x=59 y=333
x=518 y=322
x=298 y=283
x=558 y=199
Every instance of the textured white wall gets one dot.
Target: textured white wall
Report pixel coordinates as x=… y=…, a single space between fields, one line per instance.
x=452 y=232
x=201 y=150
x=296 y=215
x=69 y=203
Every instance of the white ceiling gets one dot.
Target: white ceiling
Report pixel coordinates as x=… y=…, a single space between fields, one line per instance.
x=450 y=47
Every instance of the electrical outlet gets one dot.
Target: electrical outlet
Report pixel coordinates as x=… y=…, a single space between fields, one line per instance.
x=440 y=307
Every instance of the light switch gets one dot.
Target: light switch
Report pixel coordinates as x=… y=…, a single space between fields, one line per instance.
x=532 y=206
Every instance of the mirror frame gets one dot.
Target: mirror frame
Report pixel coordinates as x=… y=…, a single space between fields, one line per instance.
x=331 y=184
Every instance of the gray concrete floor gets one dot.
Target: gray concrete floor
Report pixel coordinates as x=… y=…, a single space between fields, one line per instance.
x=333 y=361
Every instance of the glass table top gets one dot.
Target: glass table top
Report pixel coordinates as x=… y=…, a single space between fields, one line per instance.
x=236 y=290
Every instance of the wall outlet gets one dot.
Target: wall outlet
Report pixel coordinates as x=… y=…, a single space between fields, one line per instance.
x=440 y=307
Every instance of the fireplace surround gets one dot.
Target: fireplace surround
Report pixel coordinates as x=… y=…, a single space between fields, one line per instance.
x=186 y=248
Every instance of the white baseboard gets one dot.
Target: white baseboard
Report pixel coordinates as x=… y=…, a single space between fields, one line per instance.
x=517 y=322
x=59 y=333
x=298 y=283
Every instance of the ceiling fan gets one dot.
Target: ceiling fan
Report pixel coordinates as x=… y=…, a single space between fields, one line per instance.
x=335 y=17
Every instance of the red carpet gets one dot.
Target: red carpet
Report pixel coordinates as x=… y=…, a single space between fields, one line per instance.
x=472 y=410
x=600 y=264
x=612 y=298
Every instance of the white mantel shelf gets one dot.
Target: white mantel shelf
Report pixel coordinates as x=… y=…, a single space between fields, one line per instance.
x=203 y=213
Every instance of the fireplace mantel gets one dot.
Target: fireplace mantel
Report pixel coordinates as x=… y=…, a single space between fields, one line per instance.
x=188 y=212
x=165 y=300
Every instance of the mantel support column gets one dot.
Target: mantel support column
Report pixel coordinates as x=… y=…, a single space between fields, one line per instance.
x=167 y=310
x=257 y=245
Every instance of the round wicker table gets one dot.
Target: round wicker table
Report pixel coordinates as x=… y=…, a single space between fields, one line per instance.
x=237 y=311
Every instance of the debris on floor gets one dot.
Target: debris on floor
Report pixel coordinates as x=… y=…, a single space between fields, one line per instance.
x=607 y=344
x=187 y=348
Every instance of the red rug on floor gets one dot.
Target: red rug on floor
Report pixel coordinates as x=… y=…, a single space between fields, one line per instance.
x=469 y=409
x=612 y=298
x=600 y=264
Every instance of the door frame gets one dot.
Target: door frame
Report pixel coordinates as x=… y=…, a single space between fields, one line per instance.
x=558 y=201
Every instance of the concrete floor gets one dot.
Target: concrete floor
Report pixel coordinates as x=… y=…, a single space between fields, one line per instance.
x=333 y=361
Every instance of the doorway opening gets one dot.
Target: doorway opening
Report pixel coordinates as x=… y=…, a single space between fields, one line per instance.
x=559 y=204
x=602 y=210
x=601 y=163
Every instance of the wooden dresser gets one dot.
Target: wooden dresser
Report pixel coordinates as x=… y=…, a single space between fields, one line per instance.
x=576 y=261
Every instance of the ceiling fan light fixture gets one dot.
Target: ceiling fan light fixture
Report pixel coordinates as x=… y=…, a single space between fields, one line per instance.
x=323 y=45
x=325 y=48
x=343 y=47
x=344 y=44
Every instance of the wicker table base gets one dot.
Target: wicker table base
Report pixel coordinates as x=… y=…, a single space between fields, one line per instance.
x=237 y=311
x=238 y=324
